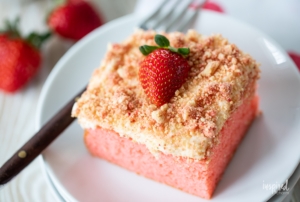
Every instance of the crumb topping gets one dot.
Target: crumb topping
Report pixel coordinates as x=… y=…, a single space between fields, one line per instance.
x=221 y=77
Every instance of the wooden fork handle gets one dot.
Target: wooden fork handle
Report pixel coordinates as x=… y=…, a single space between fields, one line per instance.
x=34 y=146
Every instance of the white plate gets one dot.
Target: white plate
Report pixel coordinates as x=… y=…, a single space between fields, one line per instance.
x=268 y=155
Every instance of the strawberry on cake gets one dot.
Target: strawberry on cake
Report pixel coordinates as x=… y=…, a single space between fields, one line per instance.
x=170 y=107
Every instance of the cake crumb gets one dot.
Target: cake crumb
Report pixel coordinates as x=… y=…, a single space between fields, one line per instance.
x=210 y=68
x=160 y=115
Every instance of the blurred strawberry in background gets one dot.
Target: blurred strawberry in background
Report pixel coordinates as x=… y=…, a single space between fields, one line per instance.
x=296 y=58
x=213 y=7
x=20 y=57
x=74 y=19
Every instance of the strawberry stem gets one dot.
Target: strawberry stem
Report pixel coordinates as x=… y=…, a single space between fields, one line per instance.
x=175 y=50
x=11 y=28
x=36 y=39
x=59 y=2
x=163 y=42
x=12 y=31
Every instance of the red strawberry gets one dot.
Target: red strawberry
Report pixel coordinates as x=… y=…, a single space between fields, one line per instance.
x=19 y=58
x=296 y=58
x=74 y=19
x=163 y=71
x=213 y=6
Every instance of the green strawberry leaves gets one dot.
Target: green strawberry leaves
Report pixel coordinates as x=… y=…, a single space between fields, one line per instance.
x=37 y=40
x=11 y=29
x=183 y=51
x=147 y=49
x=163 y=42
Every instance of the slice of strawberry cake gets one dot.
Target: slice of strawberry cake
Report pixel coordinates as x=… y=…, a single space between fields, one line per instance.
x=170 y=107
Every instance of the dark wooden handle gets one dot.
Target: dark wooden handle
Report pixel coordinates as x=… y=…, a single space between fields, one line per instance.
x=32 y=148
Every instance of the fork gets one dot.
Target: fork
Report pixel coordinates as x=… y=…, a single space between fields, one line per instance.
x=171 y=15
x=175 y=15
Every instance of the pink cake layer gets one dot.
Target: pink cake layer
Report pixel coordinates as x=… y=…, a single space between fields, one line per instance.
x=195 y=177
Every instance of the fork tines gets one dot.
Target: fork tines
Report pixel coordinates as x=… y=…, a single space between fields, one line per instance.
x=173 y=15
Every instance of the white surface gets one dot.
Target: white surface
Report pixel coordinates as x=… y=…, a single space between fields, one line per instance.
x=268 y=154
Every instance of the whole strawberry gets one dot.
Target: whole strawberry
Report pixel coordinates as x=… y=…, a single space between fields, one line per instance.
x=19 y=58
x=163 y=71
x=74 y=19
